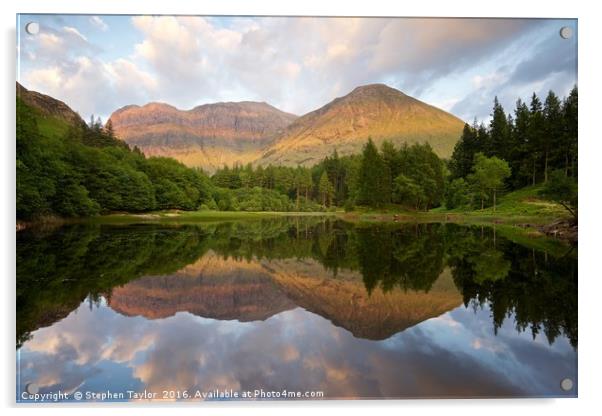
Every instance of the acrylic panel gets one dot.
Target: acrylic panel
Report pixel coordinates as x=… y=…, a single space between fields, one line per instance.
x=295 y=208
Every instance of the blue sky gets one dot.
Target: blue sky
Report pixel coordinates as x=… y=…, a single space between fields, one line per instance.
x=97 y=64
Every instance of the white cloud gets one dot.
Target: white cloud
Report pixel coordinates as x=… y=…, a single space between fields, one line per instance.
x=75 y=32
x=50 y=42
x=489 y=80
x=99 y=23
x=49 y=79
x=295 y=64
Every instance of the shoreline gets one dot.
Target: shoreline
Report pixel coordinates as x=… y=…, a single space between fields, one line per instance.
x=551 y=227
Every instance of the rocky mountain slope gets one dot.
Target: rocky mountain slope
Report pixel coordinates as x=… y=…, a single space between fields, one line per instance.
x=212 y=287
x=206 y=136
x=47 y=105
x=247 y=291
x=345 y=124
x=212 y=135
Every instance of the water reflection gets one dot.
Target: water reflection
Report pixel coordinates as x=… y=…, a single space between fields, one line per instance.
x=356 y=311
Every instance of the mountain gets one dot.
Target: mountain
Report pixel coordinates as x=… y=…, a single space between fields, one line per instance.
x=344 y=124
x=206 y=136
x=228 y=289
x=345 y=301
x=212 y=135
x=48 y=106
x=211 y=287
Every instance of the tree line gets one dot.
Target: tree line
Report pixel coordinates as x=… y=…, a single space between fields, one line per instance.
x=534 y=145
x=411 y=175
x=86 y=170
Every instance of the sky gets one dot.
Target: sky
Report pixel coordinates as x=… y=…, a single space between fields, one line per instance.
x=97 y=64
x=456 y=353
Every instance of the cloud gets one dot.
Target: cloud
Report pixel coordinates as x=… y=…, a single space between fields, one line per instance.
x=548 y=62
x=455 y=354
x=99 y=23
x=551 y=56
x=74 y=32
x=68 y=66
x=297 y=64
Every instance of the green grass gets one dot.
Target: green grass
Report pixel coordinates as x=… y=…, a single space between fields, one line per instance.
x=523 y=207
x=517 y=216
x=517 y=207
x=181 y=217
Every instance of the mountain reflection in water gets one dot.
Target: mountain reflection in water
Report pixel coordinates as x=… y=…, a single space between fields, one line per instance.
x=429 y=310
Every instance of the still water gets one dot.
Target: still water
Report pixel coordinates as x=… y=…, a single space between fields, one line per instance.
x=303 y=308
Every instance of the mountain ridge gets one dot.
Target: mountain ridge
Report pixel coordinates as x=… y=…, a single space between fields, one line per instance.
x=230 y=289
x=208 y=135
x=212 y=135
x=374 y=111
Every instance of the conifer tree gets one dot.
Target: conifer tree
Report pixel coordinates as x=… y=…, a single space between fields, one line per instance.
x=535 y=132
x=498 y=131
x=553 y=131
x=569 y=141
x=373 y=177
x=460 y=164
x=326 y=189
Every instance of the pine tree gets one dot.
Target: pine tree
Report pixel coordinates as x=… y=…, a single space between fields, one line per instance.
x=461 y=161
x=499 y=131
x=483 y=140
x=535 y=132
x=553 y=131
x=517 y=152
x=391 y=158
x=336 y=175
x=374 y=175
x=569 y=141
x=326 y=189
x=109 y=129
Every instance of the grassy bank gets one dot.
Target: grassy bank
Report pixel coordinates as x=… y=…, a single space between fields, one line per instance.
x=181 y=217
x=518 y=216
x=522 y=207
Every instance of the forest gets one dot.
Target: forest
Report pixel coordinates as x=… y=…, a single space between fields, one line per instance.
x=86 y=170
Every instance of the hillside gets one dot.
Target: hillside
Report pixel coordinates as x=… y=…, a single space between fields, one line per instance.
x=345 y=124
x=247 y=291
x=66 y=168
x=207 y=136
x=211 y=287
x=212 y=135
x=47 y=106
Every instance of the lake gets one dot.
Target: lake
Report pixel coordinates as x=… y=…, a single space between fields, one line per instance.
x=292 y=308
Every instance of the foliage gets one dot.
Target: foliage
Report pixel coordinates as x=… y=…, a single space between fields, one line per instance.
x=326 y=189
x=488 y=176
x=84 y=170
x=538 y=139
x=458 y=194
x=374 y=178
x=562 y=189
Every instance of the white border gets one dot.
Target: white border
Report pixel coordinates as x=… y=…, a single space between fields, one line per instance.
x=590 y=143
